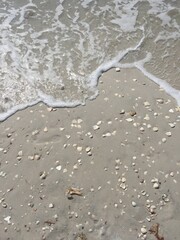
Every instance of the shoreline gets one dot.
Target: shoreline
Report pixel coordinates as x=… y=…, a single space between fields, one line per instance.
x=120 y=151
x=99 y=72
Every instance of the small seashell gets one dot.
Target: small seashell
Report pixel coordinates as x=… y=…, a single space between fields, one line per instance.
x=147 y=118
x=134 y=204
x=129 y=119
x=50 y=109
x=89 y=153
x=152 y=209
x=79 y=121
x=141 y=129
x=154 y=180
x=51 y=205
x=172 y=174
x=59 y=168
x=155 y=129
x=9 y=135
x=45 y=129
x=75 y=167
x=132 y=113
x=96 y=127
x=123 y=186
x=20 y=153
x=37 y=157
x=122 y=111
x=79 y=149
x=123 y=180
x=160 y=100
x=88 y=149
x=143 y=230
x=156 y=185
x=108 y=134
x=74 y=191
x=43 y=175
x=168 y=134
x=146 y=104
x=172 y=125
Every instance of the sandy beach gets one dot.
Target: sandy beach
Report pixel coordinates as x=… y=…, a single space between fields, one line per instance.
x=109 y=170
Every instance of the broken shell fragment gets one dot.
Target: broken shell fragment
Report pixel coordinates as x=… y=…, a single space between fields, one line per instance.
x=132 y=113
x=73 y=191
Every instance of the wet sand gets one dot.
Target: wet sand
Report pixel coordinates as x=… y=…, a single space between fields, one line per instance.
x=107 y=170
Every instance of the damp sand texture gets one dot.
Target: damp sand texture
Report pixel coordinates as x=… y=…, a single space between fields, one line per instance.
x=108 y=170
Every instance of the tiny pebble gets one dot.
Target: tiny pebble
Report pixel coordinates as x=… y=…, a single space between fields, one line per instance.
x=160 y=100
x=88 y=149
x=132 y=113
x=155 y=129
x=79 y=149
x=20 y=153
x=118 y=69
x=168 y=134
x=134 y=204
x=122 y=111
x=147 y=118
x=172 y=125
x=37 y=157
x=156 y=185
x=123 y=179
x=8 y=219
x=129 y=119
x=9 y=135
x=45 y=129
x=143 y=230
x=51 y=205
x=152 y=209
x=96 y=127
x=164 y=140
x=141 y=129
x=59 y=168
x=75 y=167
x=43 y=175
x=146 y=104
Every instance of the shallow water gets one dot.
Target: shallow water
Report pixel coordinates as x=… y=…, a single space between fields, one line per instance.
x=54 y=51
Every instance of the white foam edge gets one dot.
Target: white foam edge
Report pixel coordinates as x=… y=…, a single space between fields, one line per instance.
x=46 y=99
x=115 y=62
x=92 y=81
x=11 y=111
x=52 y=102
x=161 y=83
